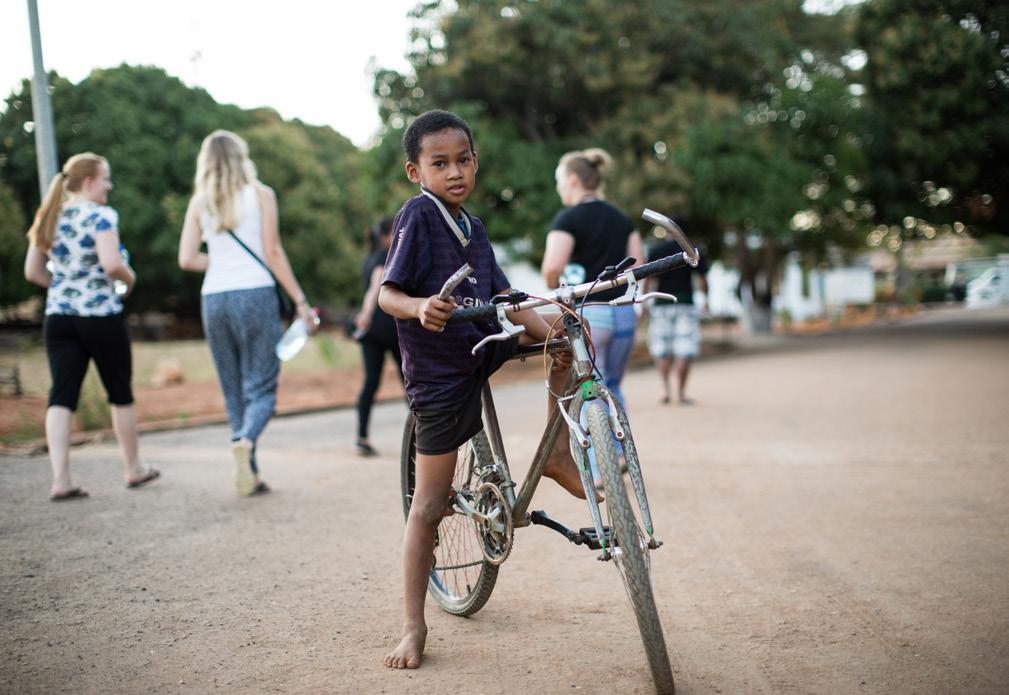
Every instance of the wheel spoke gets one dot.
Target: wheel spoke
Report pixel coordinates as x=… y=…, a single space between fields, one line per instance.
x=461 y=579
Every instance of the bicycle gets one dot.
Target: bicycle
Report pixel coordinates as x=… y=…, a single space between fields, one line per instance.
x=473 y=542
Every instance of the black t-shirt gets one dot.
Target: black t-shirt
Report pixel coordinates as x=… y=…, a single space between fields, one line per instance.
x=677 y=282
x=601 y=232
x=383 y=326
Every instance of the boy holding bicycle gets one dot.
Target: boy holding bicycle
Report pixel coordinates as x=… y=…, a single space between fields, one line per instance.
x=433 y=236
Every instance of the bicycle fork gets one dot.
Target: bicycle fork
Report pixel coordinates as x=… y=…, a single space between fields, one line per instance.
x=598 y=536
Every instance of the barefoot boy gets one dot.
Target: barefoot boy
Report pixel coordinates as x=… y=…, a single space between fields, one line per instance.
x=432 y=237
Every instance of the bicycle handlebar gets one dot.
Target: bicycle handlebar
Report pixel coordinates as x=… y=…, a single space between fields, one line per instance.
x=474 y=313
x=662 y=265
x=689 y=256
x=673 y=229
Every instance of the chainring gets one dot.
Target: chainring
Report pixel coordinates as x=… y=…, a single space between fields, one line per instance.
x=497 y=534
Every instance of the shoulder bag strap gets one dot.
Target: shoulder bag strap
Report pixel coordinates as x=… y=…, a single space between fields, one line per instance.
x=253 y=254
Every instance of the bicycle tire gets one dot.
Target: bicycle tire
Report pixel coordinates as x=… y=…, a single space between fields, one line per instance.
x=461 y=579
x=631 y=551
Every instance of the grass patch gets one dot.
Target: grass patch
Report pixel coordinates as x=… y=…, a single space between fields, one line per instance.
x=26 y=428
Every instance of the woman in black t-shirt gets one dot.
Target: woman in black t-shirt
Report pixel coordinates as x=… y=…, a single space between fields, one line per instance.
x=375 y=330
x=584 y=238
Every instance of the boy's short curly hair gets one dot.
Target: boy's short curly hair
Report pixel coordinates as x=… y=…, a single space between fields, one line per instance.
x=432 y=122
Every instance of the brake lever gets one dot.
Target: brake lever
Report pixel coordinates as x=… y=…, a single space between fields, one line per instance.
x=508 y=330
x=630 y=296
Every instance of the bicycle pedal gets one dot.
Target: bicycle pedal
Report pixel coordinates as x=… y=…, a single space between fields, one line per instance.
x=592 y=540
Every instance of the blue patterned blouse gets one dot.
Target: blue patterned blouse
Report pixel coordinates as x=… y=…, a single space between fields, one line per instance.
x=79 y=286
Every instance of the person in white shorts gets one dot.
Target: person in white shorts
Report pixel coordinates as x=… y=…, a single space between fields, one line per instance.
x=674 y=328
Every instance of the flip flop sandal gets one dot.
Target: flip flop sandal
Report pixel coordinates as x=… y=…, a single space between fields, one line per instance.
x=260 y=489
x=71 y=494
x=152 y=474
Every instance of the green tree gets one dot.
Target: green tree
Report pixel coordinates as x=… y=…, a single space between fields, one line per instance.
x=150 y=125
x=321 y=221
x=668 y=86
x=937 y=86
x=12 y=249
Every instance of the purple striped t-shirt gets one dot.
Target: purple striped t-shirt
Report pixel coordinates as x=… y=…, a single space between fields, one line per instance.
x=425 y=251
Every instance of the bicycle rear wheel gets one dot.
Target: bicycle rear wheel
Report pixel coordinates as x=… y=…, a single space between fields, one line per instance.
x=461 y=578
x=631 y=551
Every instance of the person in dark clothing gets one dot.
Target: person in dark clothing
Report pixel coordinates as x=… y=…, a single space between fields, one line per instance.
x=674 y=328
x=375 y=331
x=585 y=237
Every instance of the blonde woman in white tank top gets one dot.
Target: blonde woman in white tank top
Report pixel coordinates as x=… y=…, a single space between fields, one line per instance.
x=240 y=310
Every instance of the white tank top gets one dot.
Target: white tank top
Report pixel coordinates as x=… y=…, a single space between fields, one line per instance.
x=231 y=267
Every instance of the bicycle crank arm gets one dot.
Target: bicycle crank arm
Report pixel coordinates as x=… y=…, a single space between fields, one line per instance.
x=492 y=521
x=585 y=536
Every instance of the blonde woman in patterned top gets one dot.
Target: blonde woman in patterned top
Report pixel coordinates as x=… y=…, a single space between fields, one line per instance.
x=75 y=253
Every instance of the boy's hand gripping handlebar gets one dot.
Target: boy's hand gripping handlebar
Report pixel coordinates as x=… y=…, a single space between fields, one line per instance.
x=508 y=328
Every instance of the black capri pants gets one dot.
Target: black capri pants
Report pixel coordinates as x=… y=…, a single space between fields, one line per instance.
x=72 y=341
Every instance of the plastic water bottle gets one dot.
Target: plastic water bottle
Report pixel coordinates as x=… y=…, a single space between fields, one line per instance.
x=118 y=286
x=295 y=337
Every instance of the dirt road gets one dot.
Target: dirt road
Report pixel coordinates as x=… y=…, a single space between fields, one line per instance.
x=835 y=515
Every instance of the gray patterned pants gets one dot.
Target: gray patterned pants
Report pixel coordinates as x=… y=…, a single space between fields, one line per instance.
x=242 y=329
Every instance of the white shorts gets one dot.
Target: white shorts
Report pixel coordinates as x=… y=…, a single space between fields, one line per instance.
x=674 y=330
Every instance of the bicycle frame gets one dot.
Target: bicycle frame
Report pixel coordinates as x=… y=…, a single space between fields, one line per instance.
x=581 y=375
x=585 y=388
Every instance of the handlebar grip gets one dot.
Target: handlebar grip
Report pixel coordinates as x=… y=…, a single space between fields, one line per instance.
x=457 y=277
x=474 y=313
x=677 y=260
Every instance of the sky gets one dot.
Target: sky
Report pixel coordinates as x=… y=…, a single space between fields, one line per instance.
x=306 y=59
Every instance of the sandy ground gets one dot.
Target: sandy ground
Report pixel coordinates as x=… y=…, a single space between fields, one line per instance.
x=835 y=515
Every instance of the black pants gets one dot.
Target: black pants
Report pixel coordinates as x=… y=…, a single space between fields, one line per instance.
x=373 y=354
x=73 y=341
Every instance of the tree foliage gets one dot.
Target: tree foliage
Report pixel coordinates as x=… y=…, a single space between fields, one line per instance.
x=12 y=249
x=750 y=117
x=149 y=126
x=937 y=80
x=694 y=99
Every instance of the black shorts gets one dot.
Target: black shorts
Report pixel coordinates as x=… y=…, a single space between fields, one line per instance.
x=440 y=431
x=72 y=341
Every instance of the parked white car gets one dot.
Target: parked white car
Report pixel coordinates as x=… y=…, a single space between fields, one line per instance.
x=990 y=288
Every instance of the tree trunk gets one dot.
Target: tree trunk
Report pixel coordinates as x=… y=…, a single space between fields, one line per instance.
x=758 y=273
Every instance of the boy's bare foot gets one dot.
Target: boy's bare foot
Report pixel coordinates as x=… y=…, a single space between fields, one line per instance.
x=410 y=649
x=563 y=470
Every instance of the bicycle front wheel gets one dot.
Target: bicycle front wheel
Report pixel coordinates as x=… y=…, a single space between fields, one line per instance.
x=461 y=578
x=630 y=553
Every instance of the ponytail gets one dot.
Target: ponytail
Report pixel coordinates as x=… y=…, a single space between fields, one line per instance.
x=40 y=235
x=588 y=165
x=75 y=172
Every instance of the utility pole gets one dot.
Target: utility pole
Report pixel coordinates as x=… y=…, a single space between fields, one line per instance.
x=42 y=112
